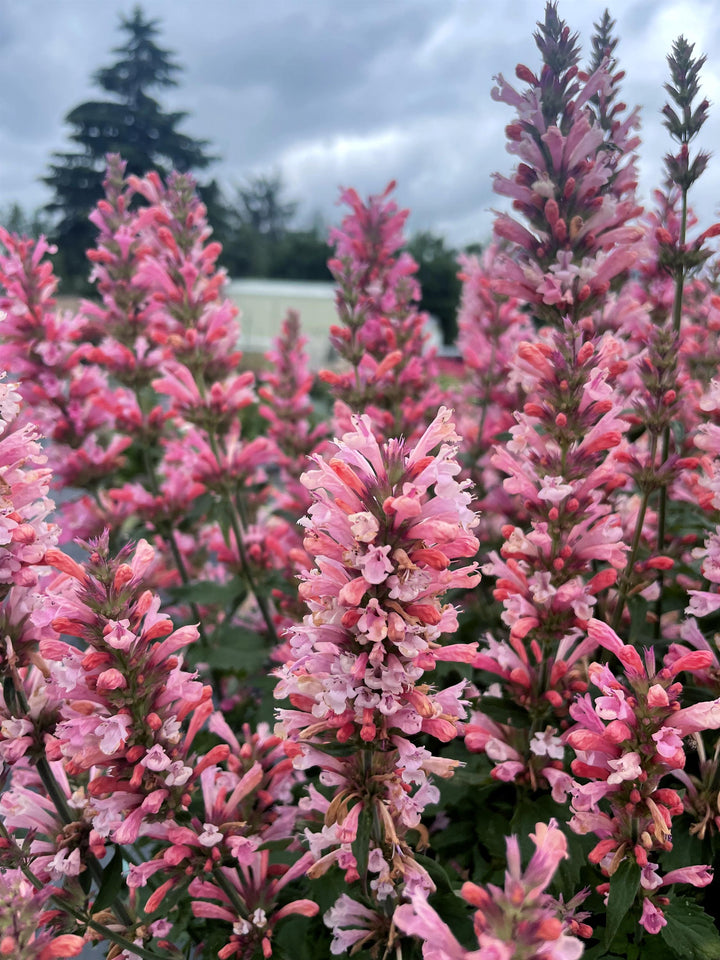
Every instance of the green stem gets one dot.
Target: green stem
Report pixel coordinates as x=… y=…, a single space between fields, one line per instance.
x=677 y=322
x=60 y=801
x=109 y=934
x=236 y=526
x=175 y=550
x=634 y=549
x=54 y=791
x=680 y=281
x=231 y=892
x=78 y=914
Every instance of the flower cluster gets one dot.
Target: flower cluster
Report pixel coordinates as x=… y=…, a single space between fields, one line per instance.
x=125 y=693
x=72 y=403
x=627 y=739
x=25 y=533
x=550 y=574
x=392 y=376
x=24 y=930
x=246 y=803
x=519 y=922
x=386 y=524
x=574 y=184
x=288 y=408
x=145 y=798
x=491 y=328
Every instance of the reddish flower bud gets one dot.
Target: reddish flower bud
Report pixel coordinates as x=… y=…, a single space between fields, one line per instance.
x=525 y=74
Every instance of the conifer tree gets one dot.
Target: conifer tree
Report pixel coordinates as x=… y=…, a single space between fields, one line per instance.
x=128 y=121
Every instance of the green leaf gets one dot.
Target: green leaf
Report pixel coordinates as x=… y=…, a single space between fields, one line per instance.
x=624 y=884
x=690 y=932
x=10 y=695
x=687 y=847
x=436 y=872
x=599 y=952
x=291 y=942
x=638 y=607
x=233 y=648
x=235 y=659
x=112 y=882
x=209 y=593
x=505 y=711
x=361 y=844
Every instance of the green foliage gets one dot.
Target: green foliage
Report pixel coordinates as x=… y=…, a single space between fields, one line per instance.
x=361 y=844
x=25 y=223
x=235 y=650
x=690 y=933
x=112 y=882
x=258 y=240
x=437 y=275
x=624 y=885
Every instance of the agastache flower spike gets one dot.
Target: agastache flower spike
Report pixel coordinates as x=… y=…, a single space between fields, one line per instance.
x=491 y=328
x=126 y=697
x=553 y=570
x=679 y=261
x=519 y=922
x=288 y=407
x=387 y=522
x=573 y=185
x=393 y=375
x=72 y=403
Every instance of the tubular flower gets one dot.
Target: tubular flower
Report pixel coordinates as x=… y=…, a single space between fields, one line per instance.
x=58 y=849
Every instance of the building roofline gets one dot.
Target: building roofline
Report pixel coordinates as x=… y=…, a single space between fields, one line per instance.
x=303 y=289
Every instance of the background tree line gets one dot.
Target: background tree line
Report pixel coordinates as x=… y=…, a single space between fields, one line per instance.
x=255 y=223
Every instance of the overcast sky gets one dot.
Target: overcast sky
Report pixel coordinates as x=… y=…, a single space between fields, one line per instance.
x=340 y=92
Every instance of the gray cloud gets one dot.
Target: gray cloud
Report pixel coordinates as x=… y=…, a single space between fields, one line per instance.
x=339 y=92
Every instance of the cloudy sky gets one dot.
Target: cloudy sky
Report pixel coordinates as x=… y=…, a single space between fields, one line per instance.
x=340 y=92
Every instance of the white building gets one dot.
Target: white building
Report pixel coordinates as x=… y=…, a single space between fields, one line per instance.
x=264 y=303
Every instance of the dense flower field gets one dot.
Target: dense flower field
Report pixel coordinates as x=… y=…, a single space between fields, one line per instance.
x=380 y=661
